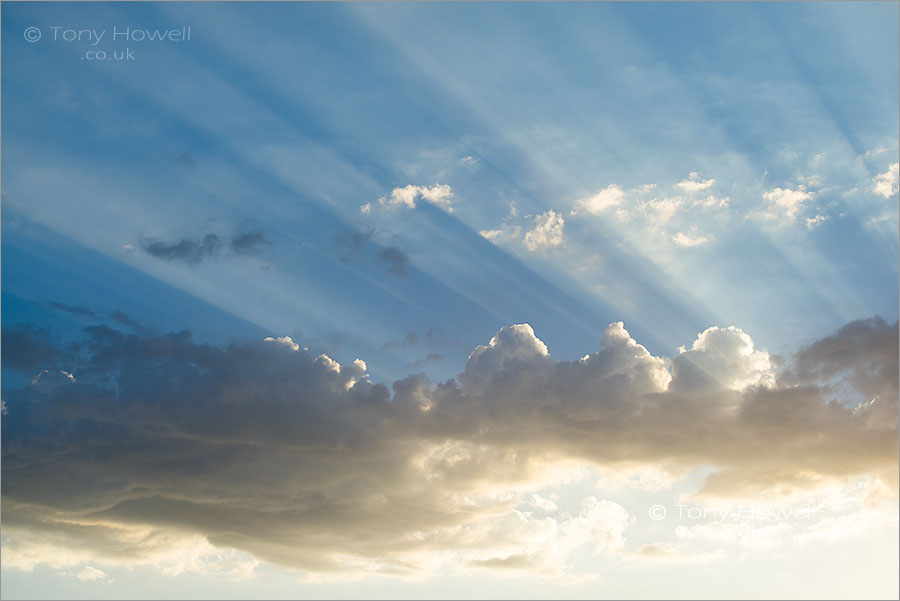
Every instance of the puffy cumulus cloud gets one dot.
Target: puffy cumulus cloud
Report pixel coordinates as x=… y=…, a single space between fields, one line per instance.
x=168 y=452
x=785 y=203
x=885 y=184
x=406 y=196
x=285 y=341
x=722 y=359
x=547 y=231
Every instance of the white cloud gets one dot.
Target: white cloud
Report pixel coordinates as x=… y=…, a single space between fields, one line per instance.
x=713 y=202
x=366 y=208
x=688 y=241
x=285 y=341
x=785 y=202
x=608 y=197
x=660 y=211
x=885 y=184
x=694 y=184
x=502 y=234
x=545 y=505
x=406 y=196
x=812 y=222
x=92 y=574
x=547 y=232
x=724 y=358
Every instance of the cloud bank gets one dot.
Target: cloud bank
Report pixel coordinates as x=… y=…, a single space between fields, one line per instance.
x=128 y=446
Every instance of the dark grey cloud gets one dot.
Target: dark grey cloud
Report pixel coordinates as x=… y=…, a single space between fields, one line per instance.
x=242 y=241
x=188 y=250
x=396 y=260
x=247 y=242
x=352 y=242
x=265 y=447
x=360 y=243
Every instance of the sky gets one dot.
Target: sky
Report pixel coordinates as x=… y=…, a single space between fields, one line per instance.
x=450 y=300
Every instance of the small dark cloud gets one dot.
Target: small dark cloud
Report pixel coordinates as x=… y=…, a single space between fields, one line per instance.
x=431 y=358
x=190 y=251
x=125 y=319
x=396 y=260
x=81 y=311
x=186 y=160
x=244 y=241
x=353 y=242
x=247 y=242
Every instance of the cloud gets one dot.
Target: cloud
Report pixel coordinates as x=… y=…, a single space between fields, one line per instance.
x=885 y=184
x=126 y=320
x=502 y=234
x=187 y=250
x=92 y=574
x=547 y=232
x=814 y=222
x=785 y=203
x=80 y=311
x=185 y=160
x=439 y=195
x=247 y=242
x=430 y=358
x=656 y=212
x=396 y=260
x=608 y=197
x=393 y=258
x=694 y=184
x=688 y=241
x=158 y=442
x=194 y=251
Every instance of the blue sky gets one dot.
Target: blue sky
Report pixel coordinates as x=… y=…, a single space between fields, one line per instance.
x=397 y=182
